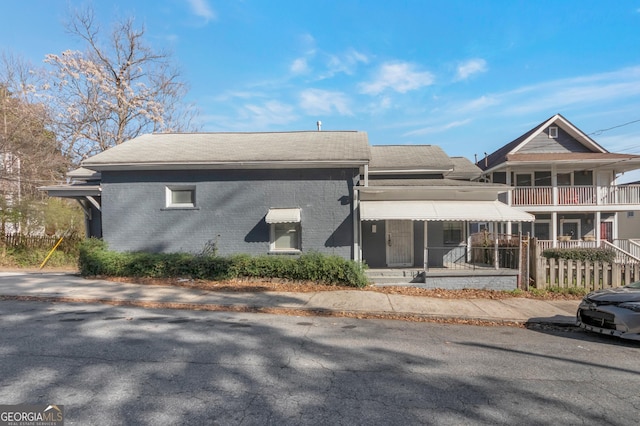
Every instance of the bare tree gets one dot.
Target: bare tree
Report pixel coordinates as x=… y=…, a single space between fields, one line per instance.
x=115 y=90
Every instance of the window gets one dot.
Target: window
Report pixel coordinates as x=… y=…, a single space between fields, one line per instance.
x=453 y=232
x=499 y=177
x=523 y=179
x=553 y=132
x=564 y=179
x=181 y=196
x=584 y=177
x=542 y=229
x=284 y=230
x=542 y=179
x=285 y=237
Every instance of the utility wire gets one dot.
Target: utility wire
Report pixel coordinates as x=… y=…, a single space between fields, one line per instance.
x=601 y=131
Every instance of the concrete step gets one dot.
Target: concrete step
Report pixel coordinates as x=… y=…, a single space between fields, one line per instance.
x=395 y=276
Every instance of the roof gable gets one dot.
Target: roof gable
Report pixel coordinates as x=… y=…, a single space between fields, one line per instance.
x=570 y=140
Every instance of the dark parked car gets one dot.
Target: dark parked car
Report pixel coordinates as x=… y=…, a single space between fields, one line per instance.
x=612 y=311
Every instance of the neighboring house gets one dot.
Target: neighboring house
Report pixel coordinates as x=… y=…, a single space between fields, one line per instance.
x=418 y=206
x=567 y=180
x=288 y=192
x=629 y=221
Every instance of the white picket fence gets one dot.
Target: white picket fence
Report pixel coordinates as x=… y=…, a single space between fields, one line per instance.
x=566 y=273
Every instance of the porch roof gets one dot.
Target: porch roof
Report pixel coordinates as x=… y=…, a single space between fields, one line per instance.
x=434 y=210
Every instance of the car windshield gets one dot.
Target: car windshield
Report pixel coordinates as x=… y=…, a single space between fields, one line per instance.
x=634 y=285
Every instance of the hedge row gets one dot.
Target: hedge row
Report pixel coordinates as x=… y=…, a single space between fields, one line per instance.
x=583 y=254
x=96 y=259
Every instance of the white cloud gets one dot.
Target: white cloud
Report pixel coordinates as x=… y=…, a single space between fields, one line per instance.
x=230 y=95
x=346 y=63
x=592 y=90
x=268 y=114
x=558 y=95
x=477 y=104
x=316 y=101
x=472 y=66
x=398 y=76
x=437 y=129
x=299 y=66
x=202 y=9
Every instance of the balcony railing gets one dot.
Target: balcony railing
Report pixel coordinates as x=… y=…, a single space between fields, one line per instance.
x=575 y=195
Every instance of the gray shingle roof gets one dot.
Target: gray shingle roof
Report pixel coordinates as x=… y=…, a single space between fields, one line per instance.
x=212 y=148
x=463 y=168
x=433 y=183
x=409 y=157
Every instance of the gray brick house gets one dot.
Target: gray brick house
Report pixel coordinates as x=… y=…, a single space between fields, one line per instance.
x=287 y=192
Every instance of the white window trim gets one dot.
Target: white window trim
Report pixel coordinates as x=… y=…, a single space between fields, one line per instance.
x=169 y=190
x=553 y=132
x=272 y=240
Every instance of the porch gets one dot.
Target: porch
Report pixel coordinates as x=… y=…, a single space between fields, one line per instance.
x=577 y=195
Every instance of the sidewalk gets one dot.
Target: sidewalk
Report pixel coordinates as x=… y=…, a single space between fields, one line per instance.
x=67 y=287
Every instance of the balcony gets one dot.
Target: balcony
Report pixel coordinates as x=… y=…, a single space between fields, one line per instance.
x=576 y=196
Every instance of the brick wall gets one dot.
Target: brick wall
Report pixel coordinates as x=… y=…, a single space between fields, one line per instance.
x=231 y=206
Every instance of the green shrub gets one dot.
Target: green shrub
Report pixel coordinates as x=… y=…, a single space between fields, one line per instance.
x=96 y=259
x=583 y=254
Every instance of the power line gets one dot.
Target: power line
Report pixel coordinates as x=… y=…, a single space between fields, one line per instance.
x=601 y=131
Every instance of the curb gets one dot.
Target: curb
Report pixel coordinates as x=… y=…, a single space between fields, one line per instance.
x=319 y=312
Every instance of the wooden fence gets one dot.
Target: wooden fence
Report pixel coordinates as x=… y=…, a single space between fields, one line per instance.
x=19 y=241
x=566 y=273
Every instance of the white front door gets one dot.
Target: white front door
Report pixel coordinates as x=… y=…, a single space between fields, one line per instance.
x=399 y=242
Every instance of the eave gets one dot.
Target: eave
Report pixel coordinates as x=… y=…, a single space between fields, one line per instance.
x=228 y=165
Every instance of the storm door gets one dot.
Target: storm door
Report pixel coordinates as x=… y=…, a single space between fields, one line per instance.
x=399 y=243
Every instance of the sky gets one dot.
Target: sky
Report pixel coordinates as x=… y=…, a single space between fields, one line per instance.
x=468 y=76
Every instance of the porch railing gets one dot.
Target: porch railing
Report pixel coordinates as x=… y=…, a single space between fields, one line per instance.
x=626 y=251
x=474 y=258
x=575 y=195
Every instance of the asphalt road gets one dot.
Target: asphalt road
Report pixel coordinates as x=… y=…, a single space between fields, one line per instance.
x=131 y=366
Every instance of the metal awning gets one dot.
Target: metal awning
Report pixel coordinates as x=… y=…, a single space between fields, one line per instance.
x=283 y=215
x=472 y=211
x=73 y=190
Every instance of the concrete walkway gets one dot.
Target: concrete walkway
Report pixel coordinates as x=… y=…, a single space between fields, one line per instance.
x=67 y=287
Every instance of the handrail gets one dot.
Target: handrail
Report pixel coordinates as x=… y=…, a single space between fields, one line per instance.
x=620 y=251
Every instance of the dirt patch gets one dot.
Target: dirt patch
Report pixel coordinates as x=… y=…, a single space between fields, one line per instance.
x=311 y=287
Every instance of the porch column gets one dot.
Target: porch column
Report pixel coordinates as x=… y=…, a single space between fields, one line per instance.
x=425 y=256
x=554 y=228
x=596 y=224
x=508 y=180
x=357 y=227
x=554 y=187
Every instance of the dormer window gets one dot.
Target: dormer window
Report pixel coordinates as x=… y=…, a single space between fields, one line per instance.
x=553 y=132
